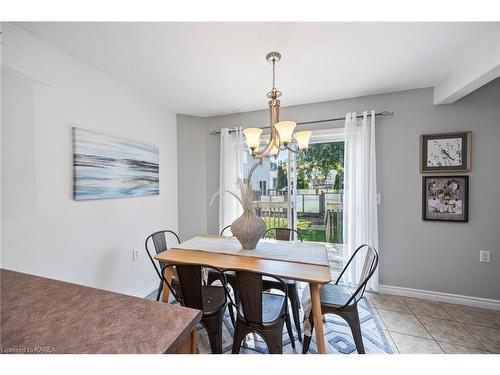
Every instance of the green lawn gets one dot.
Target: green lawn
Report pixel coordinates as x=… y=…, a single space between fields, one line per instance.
x=302 y=228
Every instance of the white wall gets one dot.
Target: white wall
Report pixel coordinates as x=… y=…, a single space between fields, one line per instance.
x=436 y=256
x=45 y=232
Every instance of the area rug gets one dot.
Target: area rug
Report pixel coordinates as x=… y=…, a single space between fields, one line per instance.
x=338 y=337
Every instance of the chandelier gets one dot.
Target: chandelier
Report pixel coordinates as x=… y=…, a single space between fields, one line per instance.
x=281 y=131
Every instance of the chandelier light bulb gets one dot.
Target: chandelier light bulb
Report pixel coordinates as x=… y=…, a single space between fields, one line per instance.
x=285 y=130
x=252 y=137
x=302 y=139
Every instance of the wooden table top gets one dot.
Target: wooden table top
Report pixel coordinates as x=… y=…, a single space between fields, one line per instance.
x=294 y=270
x=38 y=313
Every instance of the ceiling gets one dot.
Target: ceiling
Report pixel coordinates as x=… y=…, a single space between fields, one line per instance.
x=208 y=69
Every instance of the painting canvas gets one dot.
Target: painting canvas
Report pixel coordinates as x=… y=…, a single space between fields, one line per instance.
x=110 y=167
x=445 y=198
x=445 y=152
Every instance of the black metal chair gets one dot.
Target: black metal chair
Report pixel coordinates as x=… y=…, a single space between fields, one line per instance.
x=213 y=276
x=259 y=311
x=160 y=244
x=211 y=300
x=285 y=234
x=228 y=227
x=339 y=300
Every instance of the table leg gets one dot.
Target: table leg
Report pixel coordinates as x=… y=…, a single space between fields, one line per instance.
x=318 y=319
x=193 y=342
x=188 y=345
x=168 y=274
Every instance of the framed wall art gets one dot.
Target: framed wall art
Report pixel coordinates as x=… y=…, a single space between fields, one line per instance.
x=445 y=198
x=445 y=152
x=111 y=167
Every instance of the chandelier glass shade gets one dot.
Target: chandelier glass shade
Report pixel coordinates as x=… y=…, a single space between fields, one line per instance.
x=281 y=132
x=252 y=136
x=302 y=139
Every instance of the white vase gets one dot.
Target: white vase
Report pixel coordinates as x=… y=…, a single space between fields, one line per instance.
x=248 y=229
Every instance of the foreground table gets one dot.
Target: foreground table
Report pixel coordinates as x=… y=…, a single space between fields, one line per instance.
x=225 y=252
x=40 y=315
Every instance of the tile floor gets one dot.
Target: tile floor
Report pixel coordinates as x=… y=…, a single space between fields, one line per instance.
x=420 y=326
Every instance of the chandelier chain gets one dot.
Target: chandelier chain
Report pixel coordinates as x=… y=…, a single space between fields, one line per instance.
x=274 y=74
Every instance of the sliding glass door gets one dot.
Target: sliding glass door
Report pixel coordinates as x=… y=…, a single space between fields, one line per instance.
x=305 y=191
x=318 y=196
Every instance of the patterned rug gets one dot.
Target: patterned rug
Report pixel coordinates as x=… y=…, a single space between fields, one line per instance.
x=338 y=337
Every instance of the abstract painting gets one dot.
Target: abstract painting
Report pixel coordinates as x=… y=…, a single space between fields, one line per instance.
x=445 y=152
x=110 y=167
x=445 y=198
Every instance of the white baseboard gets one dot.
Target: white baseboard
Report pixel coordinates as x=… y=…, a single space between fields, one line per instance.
x=441 y=297
x=147 y=290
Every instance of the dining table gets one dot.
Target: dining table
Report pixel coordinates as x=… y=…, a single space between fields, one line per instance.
x=301 y=261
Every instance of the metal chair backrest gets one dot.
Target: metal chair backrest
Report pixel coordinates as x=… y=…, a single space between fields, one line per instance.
x=160 y=244
x=225 y=229
x=191 y=283
x=369 y=266
x=283 y=234
x=250 y=289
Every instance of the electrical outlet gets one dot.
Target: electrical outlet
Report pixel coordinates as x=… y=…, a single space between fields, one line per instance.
x=135 y=255
x=484 y=256
x=379 y=198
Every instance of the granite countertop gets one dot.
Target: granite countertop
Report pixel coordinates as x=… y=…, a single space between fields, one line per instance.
x=41 y=315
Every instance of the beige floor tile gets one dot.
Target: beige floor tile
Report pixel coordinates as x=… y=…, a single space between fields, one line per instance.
x=403 y=323
x=450 y=331
x=389 y=339
x=459 y=349
x=473 y=315
x=422 y=307
x=379 y=319
x=388 y=302
x=415 y=345
x=489 y=337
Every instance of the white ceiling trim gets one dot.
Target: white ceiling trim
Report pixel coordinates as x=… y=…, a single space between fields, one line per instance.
x=482 y=66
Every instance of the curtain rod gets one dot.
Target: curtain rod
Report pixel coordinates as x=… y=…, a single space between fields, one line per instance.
x=379 y=114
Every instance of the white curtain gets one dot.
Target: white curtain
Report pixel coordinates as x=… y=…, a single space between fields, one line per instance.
x=360 y=193
x=231 y=168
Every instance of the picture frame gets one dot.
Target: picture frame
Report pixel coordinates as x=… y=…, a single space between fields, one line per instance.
x=445 y=152
x=107 y=166
x=445 y=198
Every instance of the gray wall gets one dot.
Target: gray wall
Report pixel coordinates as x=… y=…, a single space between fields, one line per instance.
x=192 y=176
x=435 y=256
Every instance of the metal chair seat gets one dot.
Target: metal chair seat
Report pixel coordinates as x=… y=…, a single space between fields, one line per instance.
x=335 y=295
x=213 y=298
x=272 y=307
